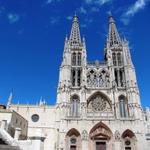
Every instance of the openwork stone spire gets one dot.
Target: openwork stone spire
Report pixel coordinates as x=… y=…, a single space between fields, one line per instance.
x=75 y=39
x=113 y=36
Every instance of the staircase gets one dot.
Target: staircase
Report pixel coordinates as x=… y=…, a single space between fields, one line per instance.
x=11 y=143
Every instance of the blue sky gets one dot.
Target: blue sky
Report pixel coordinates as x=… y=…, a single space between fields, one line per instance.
x=32 y=34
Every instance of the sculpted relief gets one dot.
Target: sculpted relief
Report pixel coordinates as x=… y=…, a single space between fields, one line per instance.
x=98 y=79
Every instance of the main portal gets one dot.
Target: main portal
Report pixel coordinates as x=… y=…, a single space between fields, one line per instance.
x=100 y=145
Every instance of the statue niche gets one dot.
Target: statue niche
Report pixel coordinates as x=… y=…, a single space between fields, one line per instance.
x=98 y=79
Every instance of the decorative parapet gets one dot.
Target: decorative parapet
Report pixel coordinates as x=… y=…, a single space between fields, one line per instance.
x=96 y=63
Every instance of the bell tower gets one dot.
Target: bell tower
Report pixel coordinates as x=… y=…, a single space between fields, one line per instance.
x=72 y=69
x=123 y=76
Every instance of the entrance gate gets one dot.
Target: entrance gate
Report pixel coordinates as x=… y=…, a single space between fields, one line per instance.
x=100 y=136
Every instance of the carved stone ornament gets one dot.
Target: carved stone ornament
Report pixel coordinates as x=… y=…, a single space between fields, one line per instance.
x=98 y=79
x=83 y=105
x=84 y=135
x=99 y=104
x=117 y=136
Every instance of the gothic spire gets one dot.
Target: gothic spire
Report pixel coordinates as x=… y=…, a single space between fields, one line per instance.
x=75 y=39
x=113 y=35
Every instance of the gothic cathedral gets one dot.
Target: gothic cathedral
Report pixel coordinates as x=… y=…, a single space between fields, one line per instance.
x=98 y=101
x=98 y=104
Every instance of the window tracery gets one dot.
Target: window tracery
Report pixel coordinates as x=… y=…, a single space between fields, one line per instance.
x=76 y=77
x=76 y=59
x=123 y=107
x=75 y=106
x=98 y=103
x=117 y=59
x=114 y=59
x=119 y=77
x=98 y=79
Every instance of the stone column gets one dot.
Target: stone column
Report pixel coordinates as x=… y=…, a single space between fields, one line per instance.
x=84 y=145
x=117 y=141
x=84 y=140
x=38 y=140
x=3 y=124
x=117 y=145
x=17 y=133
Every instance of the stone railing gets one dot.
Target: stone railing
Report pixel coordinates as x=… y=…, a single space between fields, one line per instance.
x=96 y=63
x=92 y=115
x=107 y=115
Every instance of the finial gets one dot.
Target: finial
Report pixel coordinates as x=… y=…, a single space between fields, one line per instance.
x=83 y=38
x=75 y=18
x=111 y=19
x=66 y=39
x=18 y=102
x=109 y=13
x=41 y=98
x=75 y=14
x=10 y=99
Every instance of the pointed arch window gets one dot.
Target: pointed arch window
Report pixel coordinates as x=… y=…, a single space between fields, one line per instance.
x=74 y=59
x=114 y=59
x=119 y=59
x=79 y=59
x=73 y=77
x=75 y=106
x=122 y=80
x=79 y=77
x=76 y=77
x=123 y=107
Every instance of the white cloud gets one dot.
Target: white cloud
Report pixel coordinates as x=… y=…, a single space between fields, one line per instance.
x=13 y=18
x=83 y=25
x=94 y=9
x=54 y=20
x=97 y=2
x=2 y=10
x=82 y=10
x=139 y=4
x=50 y=1
x=69 y=17
x=133 y=9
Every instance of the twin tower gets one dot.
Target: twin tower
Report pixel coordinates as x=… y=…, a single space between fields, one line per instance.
x=97 y=89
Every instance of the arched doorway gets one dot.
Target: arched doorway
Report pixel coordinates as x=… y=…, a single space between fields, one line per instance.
x=73 y=140
x=100 y=137
x=129 y=140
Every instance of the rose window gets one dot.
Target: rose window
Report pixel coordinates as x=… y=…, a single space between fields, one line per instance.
x=98 y=104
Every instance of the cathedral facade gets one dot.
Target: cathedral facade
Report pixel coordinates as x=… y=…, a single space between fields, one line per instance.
x=98 y=104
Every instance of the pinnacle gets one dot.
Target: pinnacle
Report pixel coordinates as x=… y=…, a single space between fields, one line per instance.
x=75 y=38
x=113 y=36
x=111 y=19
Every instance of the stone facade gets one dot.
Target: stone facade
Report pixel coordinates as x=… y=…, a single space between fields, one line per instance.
x=98 y=104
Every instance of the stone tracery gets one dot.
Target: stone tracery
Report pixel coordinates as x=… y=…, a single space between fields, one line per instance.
x=98 y=79
x=98 y=102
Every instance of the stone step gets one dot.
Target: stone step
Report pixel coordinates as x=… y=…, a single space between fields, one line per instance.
x=7 y=147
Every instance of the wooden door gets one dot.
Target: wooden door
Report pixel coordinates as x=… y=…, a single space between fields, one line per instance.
x=100 y=146
x=72 y=147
